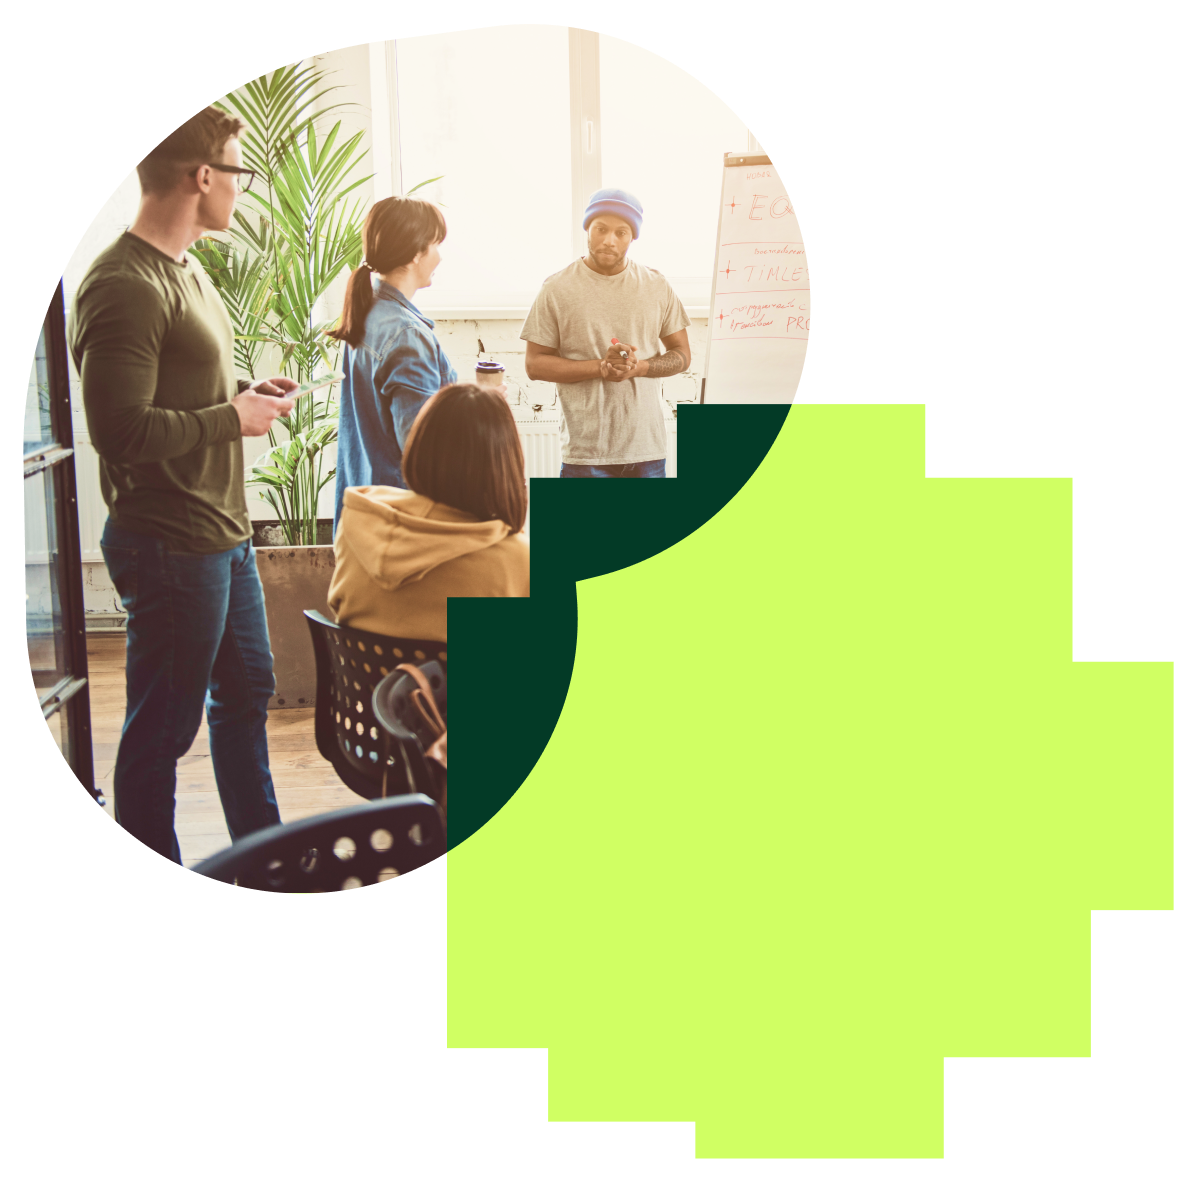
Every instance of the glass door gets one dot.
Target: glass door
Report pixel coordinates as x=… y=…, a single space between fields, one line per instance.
x=54 y=613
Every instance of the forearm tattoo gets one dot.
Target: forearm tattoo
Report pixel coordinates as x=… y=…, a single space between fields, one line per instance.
x=670 y=363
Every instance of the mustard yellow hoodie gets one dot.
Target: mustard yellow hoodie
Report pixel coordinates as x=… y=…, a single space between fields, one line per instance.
x=400 y=556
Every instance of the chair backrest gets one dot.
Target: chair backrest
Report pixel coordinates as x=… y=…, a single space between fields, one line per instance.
x=352 y=847
x=350 y=663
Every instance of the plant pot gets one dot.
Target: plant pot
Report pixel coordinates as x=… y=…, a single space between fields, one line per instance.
x=270 y=533
x=294 y=578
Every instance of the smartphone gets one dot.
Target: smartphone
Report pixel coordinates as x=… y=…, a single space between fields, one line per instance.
x=313 y=385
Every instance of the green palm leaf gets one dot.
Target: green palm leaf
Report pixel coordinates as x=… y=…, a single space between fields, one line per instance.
x=291 y=240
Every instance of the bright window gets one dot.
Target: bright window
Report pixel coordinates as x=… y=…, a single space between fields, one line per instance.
x=663 y=136
x=489 y=110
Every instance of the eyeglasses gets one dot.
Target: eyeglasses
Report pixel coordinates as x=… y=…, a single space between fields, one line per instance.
x=244 y=174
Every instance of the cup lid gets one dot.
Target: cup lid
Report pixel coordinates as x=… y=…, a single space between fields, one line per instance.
x=489 y=365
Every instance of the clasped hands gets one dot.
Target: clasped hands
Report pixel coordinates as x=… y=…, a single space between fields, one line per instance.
x=615 y=369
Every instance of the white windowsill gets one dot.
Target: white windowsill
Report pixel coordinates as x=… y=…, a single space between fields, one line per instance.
x=475 y=313
x=483 y=313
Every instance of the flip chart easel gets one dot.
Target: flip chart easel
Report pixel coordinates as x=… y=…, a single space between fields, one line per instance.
x=758 y=320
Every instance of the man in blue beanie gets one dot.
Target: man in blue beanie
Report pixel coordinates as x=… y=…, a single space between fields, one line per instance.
x=583 y=334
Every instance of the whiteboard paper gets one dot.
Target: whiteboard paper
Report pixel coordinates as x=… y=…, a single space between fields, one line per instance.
x=758 y=327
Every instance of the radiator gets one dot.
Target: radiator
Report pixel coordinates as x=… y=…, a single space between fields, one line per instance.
x=542 y=444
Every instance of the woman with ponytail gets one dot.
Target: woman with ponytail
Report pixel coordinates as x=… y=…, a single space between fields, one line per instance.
x=393 y=363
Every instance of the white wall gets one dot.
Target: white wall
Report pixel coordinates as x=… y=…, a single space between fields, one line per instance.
x=663 y=137
x=357 y=71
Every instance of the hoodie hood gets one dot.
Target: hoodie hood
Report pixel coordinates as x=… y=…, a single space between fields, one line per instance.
x=399 y=537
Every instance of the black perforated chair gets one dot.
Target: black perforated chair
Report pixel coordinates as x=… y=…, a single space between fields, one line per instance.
x=352 y=847
x=350 y=663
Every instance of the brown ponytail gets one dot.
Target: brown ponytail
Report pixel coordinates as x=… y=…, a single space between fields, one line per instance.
x=395 y=232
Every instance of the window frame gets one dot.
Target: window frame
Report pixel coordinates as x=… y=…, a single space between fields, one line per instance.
x=70 y=695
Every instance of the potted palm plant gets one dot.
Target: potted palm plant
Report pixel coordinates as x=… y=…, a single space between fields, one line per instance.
x=295 y=233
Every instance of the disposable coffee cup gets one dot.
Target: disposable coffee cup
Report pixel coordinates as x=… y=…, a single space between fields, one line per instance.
x=489 y=373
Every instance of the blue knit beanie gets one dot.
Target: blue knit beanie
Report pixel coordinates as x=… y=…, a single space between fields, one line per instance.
x=618 y=204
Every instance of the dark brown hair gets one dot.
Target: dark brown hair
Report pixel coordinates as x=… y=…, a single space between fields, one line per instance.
x=395 y=232
x=464 y=450
x=199 y=140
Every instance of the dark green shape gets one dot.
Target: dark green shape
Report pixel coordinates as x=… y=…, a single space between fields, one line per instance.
x=513 y=658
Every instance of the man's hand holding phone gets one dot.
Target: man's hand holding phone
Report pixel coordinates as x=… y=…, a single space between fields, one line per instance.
x=277 y=385
x=264 y=402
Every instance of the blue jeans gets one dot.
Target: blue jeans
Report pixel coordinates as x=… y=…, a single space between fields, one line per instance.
x=196 y=629
x=655 y=468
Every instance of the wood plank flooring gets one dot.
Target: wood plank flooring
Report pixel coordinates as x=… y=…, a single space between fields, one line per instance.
x=305 y=784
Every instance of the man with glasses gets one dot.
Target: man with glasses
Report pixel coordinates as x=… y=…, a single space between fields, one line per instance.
x=154 y=348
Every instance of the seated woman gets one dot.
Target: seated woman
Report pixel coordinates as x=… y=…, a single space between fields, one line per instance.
x=401 y=554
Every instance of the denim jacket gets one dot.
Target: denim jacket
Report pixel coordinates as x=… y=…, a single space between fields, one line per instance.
x=389 y=375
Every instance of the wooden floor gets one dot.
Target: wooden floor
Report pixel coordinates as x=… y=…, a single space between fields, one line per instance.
x=305 y=784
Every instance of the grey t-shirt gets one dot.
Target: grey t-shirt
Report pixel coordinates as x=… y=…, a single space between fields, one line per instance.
x=577 y=313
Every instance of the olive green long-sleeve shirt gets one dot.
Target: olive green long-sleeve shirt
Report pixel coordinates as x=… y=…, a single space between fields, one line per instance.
x=154 y=348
